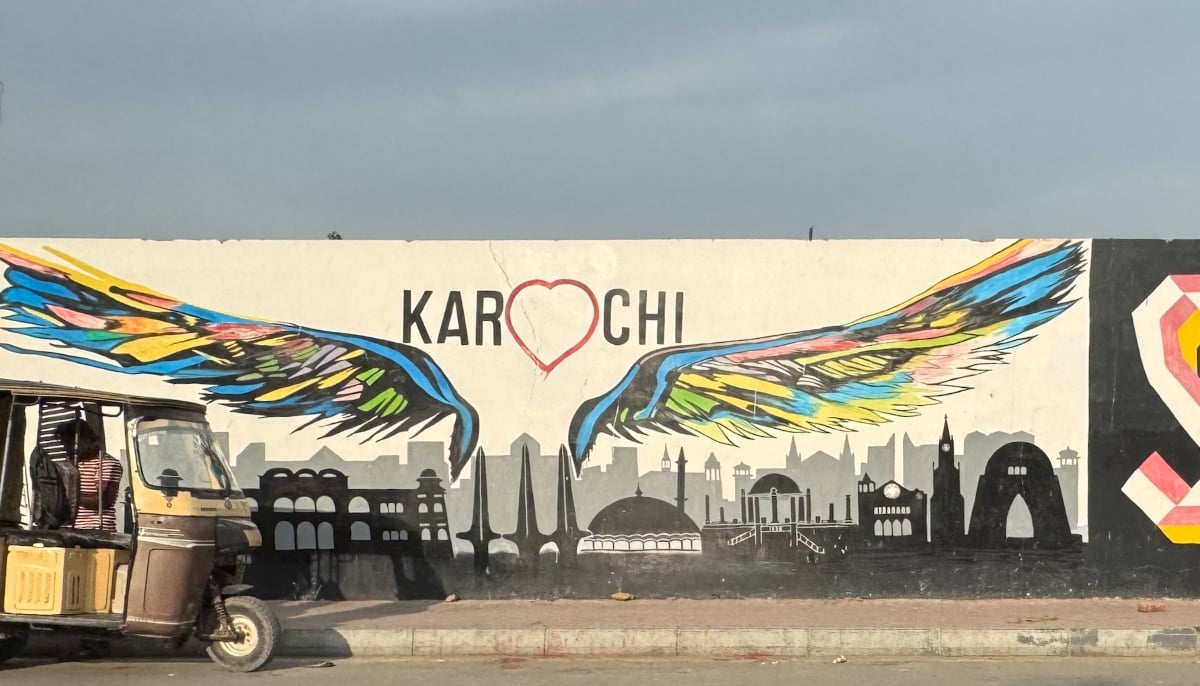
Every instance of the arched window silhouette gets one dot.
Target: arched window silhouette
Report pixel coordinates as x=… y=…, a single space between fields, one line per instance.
x=283 y=505
x=426 y=535
x=878 y=527
x=359 y=504
x=285 y=536
x=423 y=508
x=906 y=527
x=325 y=504
x=306 y=536
x=305 y=504
x=360 y=531
x=443 y=535
x=437 y=507
x=398 y=508
x=403 y=535
x=253 y=504
x=325 y=536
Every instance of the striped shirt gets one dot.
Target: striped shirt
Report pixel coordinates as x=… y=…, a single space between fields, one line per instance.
x=101 y=474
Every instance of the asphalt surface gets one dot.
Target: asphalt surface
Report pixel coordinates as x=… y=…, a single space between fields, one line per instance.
x=672 y=672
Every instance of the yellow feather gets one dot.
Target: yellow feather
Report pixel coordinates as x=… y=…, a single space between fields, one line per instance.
x=338 y=378
x=281 y=393
x=158 y=347
x=42 y=316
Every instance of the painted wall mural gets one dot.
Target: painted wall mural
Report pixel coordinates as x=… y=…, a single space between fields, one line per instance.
x=720 y=418
x=1167 y=325
x=1145 y=443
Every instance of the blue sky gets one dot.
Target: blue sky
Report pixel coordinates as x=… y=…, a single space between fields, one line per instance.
x=522 y=119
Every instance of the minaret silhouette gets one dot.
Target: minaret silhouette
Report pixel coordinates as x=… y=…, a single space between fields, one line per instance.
x=679 y=497
x=567 y=535
x=480 y=534
x=528 y=537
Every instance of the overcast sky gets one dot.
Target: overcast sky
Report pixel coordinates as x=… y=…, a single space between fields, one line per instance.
x=522 y=119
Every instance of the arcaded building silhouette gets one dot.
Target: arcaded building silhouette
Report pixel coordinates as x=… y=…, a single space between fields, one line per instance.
x=307 y=510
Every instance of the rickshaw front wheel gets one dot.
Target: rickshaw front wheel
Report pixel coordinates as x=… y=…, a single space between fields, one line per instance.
x=12 y=640
x=258 y=630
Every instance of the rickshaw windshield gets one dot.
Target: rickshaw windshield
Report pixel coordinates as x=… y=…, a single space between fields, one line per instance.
x=177 y=454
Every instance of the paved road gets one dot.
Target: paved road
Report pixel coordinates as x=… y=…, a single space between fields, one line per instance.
x=665 y=672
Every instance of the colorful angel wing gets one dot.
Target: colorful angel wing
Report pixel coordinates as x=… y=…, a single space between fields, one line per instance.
x=889 y=364
x=270 y=369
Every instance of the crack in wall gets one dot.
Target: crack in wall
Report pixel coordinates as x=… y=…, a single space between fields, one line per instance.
x=524 y=312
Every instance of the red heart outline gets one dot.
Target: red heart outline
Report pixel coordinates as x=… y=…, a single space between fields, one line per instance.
x=551 y=285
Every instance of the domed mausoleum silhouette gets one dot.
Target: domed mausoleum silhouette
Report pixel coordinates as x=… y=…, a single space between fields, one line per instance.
x=641 y=524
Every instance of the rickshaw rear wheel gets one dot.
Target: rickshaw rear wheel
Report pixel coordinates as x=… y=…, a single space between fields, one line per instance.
x=259 y=630
x=12 y=641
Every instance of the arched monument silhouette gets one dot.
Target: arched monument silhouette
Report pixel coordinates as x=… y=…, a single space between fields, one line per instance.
x=1020 y=468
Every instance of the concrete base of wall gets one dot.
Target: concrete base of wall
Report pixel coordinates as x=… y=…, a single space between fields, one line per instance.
x=684 y=642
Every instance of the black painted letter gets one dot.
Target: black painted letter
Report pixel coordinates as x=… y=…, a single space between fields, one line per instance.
x=454 y=313
x=659 y=316
x=678 y=316
x=482 y=315
x=609 y=336
x=413 y=316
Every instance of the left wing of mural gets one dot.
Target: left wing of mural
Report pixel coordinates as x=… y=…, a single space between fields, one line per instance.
x=888 y=364
x=259 y=367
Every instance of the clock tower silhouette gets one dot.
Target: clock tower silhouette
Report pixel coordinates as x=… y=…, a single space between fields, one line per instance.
x=947 y=520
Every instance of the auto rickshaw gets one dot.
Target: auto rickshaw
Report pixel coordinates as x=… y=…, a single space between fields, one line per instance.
x=167 y=558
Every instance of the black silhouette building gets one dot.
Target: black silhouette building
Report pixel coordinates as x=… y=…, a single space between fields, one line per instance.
x=947 y=520
x=528 y=537
x=641 y=524
x=891 y=515
x=680 y=499
x=480 y=533
x=778 y=523
x=307 y=510
x=775 y=498
x=1020 y=469
x=567 y=534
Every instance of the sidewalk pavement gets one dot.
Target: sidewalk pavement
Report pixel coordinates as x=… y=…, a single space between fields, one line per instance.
x=727 y=628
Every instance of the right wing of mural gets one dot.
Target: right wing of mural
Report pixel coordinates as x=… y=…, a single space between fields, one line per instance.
x=257 y=367
x=889 y=364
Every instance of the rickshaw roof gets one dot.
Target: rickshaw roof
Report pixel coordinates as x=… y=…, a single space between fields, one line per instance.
x=39 y=389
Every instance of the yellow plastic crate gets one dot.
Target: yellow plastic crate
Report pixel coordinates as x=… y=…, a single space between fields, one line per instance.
x=102 y=566
x=120 y=581
x=46 y=581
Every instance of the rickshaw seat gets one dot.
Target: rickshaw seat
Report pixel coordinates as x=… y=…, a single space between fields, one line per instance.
x=70 y=538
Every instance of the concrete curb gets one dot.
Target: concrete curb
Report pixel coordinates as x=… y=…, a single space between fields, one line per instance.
x=686 y=642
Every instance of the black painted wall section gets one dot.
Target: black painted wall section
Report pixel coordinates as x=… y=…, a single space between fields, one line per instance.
x=1128 y=422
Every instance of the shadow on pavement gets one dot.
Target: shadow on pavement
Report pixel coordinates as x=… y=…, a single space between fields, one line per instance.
x=326 y=615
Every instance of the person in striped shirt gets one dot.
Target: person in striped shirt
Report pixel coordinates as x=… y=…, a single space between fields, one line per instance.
x=99 y=477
